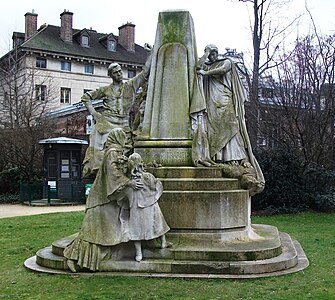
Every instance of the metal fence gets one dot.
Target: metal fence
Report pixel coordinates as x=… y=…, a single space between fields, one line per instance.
x=42 y=193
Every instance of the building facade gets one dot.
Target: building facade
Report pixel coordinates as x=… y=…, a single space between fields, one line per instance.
x=67 y=62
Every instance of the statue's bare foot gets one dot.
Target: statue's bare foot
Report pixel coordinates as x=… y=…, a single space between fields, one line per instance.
x=164 y=243
x=138 y=251
x=138 y=257
x=233 y=163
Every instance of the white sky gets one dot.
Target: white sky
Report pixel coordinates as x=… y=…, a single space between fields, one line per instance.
x=221 y=22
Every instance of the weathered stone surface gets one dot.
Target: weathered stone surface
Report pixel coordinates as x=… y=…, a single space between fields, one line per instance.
x=170 y=83
x=166 y=135
x=185 y=172
x=177 y=156
x=263 y=243
x=205 y=209
x=214 y=245
x=46 y=258
x=59 y=245
x=202 y=184
x=255 y=262
x=205 y=202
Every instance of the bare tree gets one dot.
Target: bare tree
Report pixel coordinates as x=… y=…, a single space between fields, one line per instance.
x=303 y=104
x=269 y=28
x=25 y=96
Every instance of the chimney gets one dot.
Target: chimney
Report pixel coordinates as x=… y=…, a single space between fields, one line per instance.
x=66 y=26
x=127 y=36
x=31 y=24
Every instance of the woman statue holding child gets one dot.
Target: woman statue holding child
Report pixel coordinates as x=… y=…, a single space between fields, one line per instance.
x=121 y=207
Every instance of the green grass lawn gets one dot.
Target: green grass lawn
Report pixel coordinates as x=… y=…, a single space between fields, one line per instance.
x=21 y=237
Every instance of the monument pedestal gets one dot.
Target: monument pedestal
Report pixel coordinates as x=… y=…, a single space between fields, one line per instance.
x=276 y=255
x=211 y=235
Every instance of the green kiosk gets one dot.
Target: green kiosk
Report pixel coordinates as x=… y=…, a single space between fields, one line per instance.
x=62 y=169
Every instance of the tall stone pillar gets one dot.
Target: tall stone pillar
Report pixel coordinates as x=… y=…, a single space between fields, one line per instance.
x=173 y=92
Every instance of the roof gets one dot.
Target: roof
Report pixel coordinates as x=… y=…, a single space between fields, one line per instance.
x=47 y=39
x=71 y=109
x=63 y=140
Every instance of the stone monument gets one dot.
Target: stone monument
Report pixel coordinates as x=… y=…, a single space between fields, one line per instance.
x=194 y=142
x=173 y=92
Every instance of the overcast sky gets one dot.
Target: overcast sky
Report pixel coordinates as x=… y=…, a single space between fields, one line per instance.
x=221 y=22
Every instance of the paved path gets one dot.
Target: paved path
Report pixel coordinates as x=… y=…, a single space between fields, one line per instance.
x=15 y=210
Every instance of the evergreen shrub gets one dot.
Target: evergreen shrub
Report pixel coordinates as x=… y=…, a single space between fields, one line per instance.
x=292 y=184
x=10 y=181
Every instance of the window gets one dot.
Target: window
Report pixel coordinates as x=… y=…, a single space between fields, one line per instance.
x=41 y=62
x=65 y=164
x=111 y=45
x=89 y=69
x=52 y=165
x=66 y=66
x=65 y=95
x=69 y=164
x=75 y=164
x=131 y=73
x=40 y=92
x=85 y=41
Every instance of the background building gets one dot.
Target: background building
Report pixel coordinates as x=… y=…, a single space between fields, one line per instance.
x=42 y=80
x=67 y=62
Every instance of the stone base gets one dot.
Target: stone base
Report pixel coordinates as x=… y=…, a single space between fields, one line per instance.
x=211 y=235
x=237 y=259
x=199 y=198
